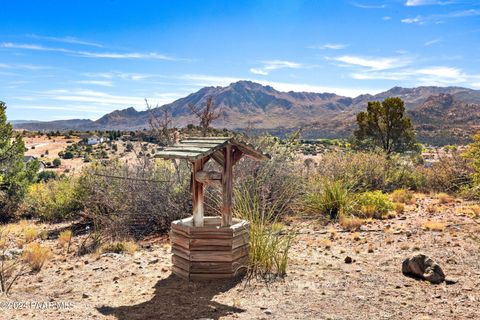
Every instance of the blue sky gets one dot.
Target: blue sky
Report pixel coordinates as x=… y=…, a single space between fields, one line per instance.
x=82 y=59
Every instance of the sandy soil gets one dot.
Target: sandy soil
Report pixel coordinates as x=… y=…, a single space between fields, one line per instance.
x=319 y=284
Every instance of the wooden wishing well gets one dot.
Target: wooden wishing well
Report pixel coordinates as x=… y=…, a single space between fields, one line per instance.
x=210 y=247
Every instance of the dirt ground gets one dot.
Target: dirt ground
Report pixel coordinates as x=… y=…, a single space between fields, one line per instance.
x=319 y=284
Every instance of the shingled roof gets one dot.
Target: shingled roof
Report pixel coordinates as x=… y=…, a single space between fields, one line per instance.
x=195 y=148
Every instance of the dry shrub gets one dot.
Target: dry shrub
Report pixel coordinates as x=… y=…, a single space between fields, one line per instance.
x=364 y=171
x=431 y=225
x=64 y=238
x=403 y=196
x=30 y=233
x=331 y=199
x=444 y=198
x=356 y=236
x=135 y=199
x=36 y=255
x=351 y=223
x=119 y=247
x=432 y=208
x=472 y=211
x=372 y=204
x=450 y=173
x=399 y=208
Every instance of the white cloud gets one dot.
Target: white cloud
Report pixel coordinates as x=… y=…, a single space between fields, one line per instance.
x=429 y=43
x=416 y=3
x=208 y=80
x=369 y=6
x=118 y=75
x=97 y=82
x=271 y=65
x=89 y=54
x=437 y=18
x=331 y=46
x=386 y=18
x=432 y=75
x=374 y=63
x=67 y=39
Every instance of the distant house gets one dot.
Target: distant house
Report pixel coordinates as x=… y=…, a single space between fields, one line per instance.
x=91 y=140
x=27 y=159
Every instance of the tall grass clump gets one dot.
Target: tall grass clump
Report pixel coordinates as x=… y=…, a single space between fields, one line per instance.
x=330 y=198
x=269 y=242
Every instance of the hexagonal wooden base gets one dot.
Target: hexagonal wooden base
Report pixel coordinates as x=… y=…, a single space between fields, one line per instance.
x=211 y=251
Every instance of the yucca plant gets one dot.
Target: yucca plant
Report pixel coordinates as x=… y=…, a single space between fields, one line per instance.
x=330 y=198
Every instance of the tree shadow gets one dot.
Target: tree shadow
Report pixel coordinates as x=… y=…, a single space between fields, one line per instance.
x=178 y=299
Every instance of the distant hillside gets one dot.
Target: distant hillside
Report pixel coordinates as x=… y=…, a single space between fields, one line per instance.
x=245 y=103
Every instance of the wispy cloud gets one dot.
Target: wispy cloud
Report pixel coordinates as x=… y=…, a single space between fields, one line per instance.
x=368 y=6
x=81 y=95
x=437 y=18
x=432 y=75
x=416 y=3
x=97 y=82
x=386 y=18
x=23 y=66
x=433 y=41
x=67 y=39
x=118 y=75
x=275 y=65
x=331 y=46
x=373 y=63
x=90 y=54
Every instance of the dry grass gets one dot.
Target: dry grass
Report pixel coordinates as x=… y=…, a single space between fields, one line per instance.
x=356 y=236
x=432 y=208
x=444 y=198
x=119 y=247
x=36 y=255
x=326 y=243
x=351 y=223
x=65 y=237
x=403 y=196
x=399 y=208
x=431 y=225
x=472 y=211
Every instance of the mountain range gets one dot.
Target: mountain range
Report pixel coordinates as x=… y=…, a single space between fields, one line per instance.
x=441 y=114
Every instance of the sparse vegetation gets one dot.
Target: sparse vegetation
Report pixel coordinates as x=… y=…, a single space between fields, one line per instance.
x=36 y=255
x=119 y=247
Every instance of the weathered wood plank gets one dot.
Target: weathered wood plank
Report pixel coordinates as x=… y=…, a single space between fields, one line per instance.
x=197 y=194
x=227 y=187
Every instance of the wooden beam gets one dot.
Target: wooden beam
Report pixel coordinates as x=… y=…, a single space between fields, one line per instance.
x=197 y=194
x=227 y=186
x=209 y=177
x=237 y=155
x=218 y=157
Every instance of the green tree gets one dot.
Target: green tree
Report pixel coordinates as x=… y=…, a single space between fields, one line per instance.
x=57 y=162
x=15 y=175
x=386 y=126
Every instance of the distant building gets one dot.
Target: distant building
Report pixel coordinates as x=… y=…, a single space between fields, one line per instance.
x=27 y=159
x=92 y=140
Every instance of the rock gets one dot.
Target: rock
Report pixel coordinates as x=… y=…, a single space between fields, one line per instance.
x=85 y=296
x=422 y=267
x=348 y=260
x=450 y=281
x=268 y=311
x=153 y=261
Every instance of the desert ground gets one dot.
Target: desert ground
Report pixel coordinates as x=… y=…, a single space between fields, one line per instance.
x=319 y=283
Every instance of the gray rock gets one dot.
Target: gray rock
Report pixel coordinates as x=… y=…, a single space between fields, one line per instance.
x=422 y=267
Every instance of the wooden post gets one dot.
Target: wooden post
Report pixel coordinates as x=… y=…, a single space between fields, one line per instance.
x=227 y=187
x=197 y=194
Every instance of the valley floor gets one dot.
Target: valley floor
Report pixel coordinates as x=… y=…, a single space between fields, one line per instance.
x=319 y=284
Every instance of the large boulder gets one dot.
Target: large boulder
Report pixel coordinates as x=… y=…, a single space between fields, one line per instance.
x=422 y=267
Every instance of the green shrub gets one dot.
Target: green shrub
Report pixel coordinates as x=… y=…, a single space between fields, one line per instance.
x=54 y=200
x=366 y=171
x=372 y=204
x=329 y=198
